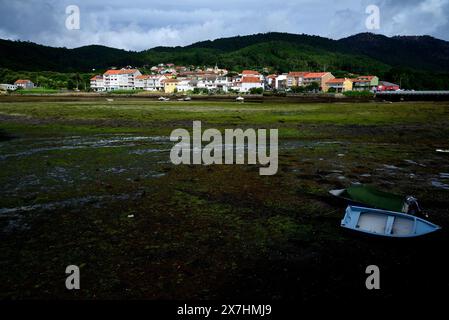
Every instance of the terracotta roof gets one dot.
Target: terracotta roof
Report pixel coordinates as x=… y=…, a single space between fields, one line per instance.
x=365 y=78
x=97 y=77
x=21 y=81
x=251 y=80
x=315 y=75
x=338 y=80
x=170 y=81
x=250 y=72
x=121 y=71
x=297 y=74
x=142 y=77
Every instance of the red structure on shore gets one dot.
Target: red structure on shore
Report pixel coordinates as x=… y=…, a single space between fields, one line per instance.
x=388 y=86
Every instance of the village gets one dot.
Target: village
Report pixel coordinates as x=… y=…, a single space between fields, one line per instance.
x=170 y=79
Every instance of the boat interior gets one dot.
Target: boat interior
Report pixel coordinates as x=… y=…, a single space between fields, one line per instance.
x=385 y=224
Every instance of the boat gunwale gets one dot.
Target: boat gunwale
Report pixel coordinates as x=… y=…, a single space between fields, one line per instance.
x=381 y=211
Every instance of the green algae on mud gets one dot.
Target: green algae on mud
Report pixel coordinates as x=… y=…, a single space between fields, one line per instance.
x=73 y=173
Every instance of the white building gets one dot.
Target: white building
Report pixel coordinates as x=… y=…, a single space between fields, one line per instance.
x=123 y=79
x=248 y=83
x=149 y=82
x=208 y=83
x=24 y=83
x=185 y=85
x=251 y=74
x=281 y=82
x=7 y=86
x=223 y=84
x=97 y=83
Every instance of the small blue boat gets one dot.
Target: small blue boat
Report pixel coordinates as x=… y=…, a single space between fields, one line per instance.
x=386 y=223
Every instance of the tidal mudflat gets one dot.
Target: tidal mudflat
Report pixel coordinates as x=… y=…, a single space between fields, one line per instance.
x=91 y=184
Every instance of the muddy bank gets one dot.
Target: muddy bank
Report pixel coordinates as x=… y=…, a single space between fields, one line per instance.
x=312 y=98
x=139 y=227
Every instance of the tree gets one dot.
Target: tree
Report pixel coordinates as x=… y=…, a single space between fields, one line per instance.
x=256 y=91
x=314 y=86
x=70 y=84
x=296 y=89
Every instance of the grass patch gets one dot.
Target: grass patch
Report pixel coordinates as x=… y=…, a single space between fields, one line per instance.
x=37 y=91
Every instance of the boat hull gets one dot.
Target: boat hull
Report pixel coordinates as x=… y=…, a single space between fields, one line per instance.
x=366 y=196
x=383 y=223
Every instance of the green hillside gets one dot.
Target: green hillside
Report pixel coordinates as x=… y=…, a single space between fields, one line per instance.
x=414 y=62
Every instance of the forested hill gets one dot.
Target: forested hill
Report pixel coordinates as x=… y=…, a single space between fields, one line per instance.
x=422 y=60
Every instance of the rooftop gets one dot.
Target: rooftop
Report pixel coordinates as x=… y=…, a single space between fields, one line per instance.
x=250 y=80
x=121 y=71
x=312 y=75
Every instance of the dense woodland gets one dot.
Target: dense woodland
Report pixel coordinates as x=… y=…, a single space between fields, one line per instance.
x=414 y=62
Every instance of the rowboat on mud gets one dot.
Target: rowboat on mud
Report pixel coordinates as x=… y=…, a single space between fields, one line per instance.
x=367 y=196
x=385 y=223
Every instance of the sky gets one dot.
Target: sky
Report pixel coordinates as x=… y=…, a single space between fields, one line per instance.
x=138 y=25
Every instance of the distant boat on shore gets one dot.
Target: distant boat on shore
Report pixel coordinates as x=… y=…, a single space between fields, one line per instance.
x=368 y=196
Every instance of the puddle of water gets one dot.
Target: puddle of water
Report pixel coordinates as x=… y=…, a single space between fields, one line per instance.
x=16 y=147
x=69 y=203
x=391 y=167
x=440 y=185
x=116 y=170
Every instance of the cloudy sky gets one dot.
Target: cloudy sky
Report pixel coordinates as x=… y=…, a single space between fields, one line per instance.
x=139 y=24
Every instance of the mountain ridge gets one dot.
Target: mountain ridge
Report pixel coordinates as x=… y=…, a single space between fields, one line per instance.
x=420 y=60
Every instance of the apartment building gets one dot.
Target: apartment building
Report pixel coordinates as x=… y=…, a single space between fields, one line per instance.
x=123 y=79
x=339 y=85
x=295 y=79
x=366 y=83
x=319 y=77
x=149 y=82
x=97 y=83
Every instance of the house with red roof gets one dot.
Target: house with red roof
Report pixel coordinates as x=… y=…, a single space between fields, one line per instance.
x=122 y=79
x=247 y=83
x=251 y=74
x=170 y=85
x=295 y=78
x=97 y=83
x=366 y=83
x=339 y=85
x=321 y=78
x=24 y=83
x=149 y=82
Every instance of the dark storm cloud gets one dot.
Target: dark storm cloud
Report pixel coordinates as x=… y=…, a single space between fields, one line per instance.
x=139 y=24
